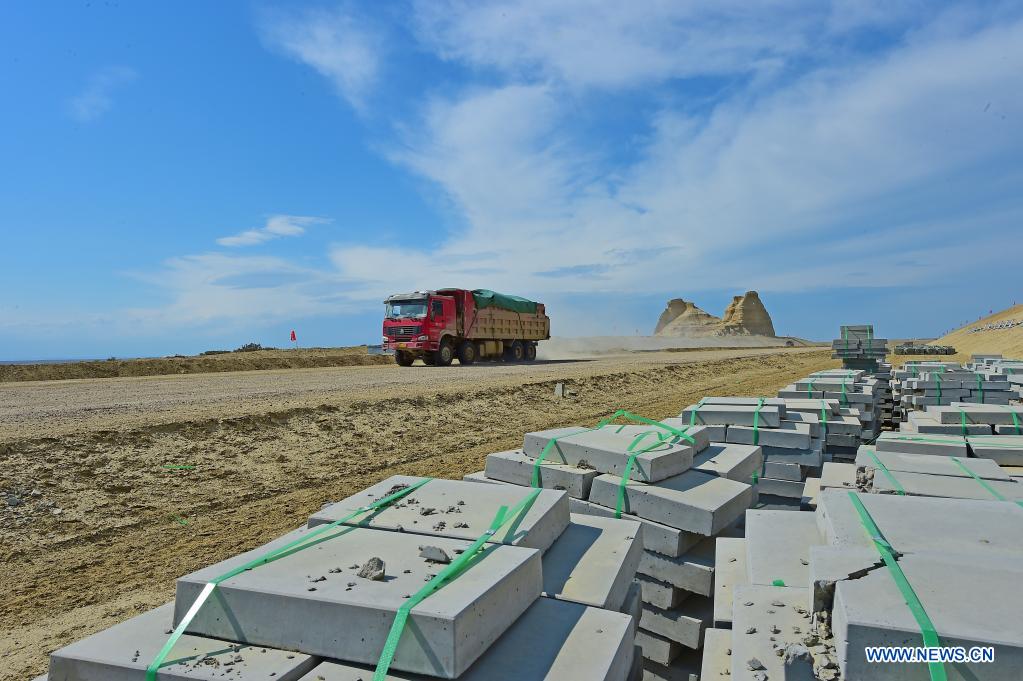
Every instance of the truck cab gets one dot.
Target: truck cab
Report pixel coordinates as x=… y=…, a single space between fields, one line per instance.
x=416 y=323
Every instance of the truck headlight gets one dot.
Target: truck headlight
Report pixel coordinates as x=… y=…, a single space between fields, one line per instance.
x=386 y=338
x=422 y=338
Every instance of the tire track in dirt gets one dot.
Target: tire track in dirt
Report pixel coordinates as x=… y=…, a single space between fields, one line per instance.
x=116 y=546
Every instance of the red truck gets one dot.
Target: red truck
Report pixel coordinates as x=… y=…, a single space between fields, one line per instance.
x=438 y=326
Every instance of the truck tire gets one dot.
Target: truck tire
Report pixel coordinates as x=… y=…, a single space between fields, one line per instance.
x=530 y=351
x=403 y=359
x=443 y=356
x=515 y=352
x=466 y=353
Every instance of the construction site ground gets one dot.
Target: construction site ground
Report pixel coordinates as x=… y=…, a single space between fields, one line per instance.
x=124 y=484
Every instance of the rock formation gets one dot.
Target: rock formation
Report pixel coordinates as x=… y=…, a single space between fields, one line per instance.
x=745 y=316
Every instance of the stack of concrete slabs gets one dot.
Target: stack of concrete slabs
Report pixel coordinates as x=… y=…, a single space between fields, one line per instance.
x=297 y=601
x=456 y=509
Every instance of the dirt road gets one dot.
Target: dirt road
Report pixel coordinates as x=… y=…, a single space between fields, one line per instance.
x=116 y=487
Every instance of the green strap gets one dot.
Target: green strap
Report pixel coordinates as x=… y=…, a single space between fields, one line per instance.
x=962 y=423
x=621 y=502
x=756 y=421
x=278 y=553
x=991 y=490
x=927 y=630
x=692 y=414
x=980 y=387
x=466 y=559
x=888 y=473
x=809 y=389
x=824 y=417
x=552 y=443
x=845 y=336
x=937 y=377
x=845 y=397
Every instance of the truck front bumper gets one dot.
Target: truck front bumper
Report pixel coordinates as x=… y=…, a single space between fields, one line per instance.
x=411 y=346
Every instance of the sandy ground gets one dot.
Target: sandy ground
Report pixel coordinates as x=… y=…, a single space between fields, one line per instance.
x=98 y=522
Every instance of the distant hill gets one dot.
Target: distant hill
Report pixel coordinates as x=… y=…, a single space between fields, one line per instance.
x=1007 y=341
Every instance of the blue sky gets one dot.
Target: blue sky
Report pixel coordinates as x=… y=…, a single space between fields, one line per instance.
x=185 y=176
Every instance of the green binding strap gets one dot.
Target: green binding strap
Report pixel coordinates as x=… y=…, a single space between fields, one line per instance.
x=937 y=377
x=991 y=490
x=962 y=423
x=980 y=388
x=1015 y=421
x=888 y=473
x=809 y=389
x=927 y=631
x=824 y=418
x=845 y=397
x=756 y=421
x=845 y=337
x=465 y=560
x=620 y=503
x=552 y=443
x=282 y=552
x=692 y=414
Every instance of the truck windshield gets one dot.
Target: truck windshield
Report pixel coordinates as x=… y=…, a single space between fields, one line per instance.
x=414 y=309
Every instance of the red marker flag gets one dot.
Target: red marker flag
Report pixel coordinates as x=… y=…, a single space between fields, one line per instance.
x=294 y=338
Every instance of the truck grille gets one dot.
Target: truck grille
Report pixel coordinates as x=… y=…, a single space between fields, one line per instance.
x=403 y=332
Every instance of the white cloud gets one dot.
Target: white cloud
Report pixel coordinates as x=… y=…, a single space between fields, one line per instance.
x=336 y=43
x=729 y=198
x=276 y=227
x=97 y=97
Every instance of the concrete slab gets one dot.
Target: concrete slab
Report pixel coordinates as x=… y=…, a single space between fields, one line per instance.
x=809 y=418
x=606 y=451
x=296 y=601
x=516 y=468
x=840 y=475
x=657 y=648
x=1008 y=430
x=593 y=562
x=764 y=619
x=465 y=509
x=730 y=572
x=693 y=571
x=552 y=641
x=778 y=547
x=658 y=537
x=924 y=485
x=811 y=489
x=732 y=461
x=933 y=465
x=684 y=624
x=914 y=524
x=787 y=435
x=717 y=653
x=1003 y=449
x=1013 y=471
x=977 y=413
x=481 y=476
x=932 y=445
x=710 y=432
x=980 y=611
x=780 y=488
x=829 y=565
x=686 y=667
x=661 y=594
x=803 y=457
x=694 y=501
x=122 y=653
x=733 y=415
x=783 y=471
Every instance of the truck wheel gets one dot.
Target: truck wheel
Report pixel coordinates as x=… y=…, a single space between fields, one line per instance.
x=515 y=352
x=466 y=353
x=429 y=359
x=530 y=350
x=443 y=356
x=404 y=359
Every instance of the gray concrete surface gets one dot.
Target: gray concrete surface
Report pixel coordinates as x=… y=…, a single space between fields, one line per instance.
x=516 y=468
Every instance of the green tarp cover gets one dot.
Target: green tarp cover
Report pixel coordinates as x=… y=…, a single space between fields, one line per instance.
x=486 y=298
